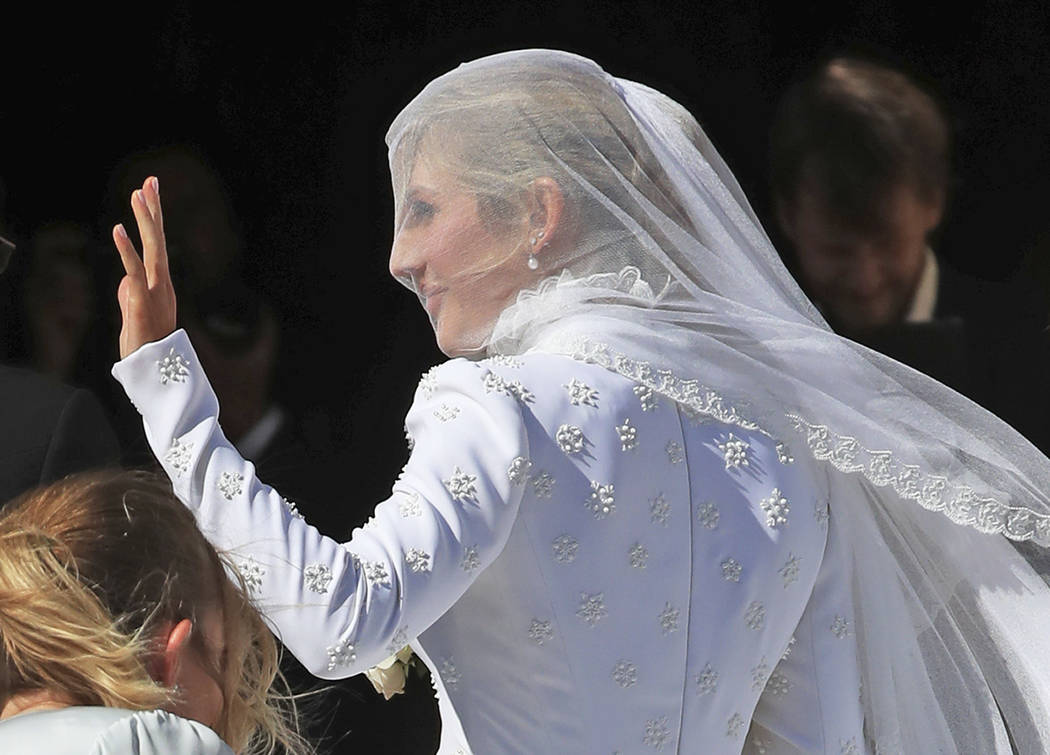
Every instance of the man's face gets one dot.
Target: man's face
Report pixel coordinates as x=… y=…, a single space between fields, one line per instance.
x=863 y=278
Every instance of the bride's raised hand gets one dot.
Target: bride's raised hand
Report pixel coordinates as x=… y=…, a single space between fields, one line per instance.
x=146 y=296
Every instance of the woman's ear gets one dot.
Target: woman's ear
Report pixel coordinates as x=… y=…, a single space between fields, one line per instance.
x=548 y=205
x=176 y=642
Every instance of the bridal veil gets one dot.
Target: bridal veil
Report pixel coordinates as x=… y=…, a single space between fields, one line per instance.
x=671 y=281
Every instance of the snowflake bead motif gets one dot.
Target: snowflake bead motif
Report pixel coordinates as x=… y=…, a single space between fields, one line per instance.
x=504 y=360
x=731 y=570
x=292 y=508
x=495 y=384
x=449 y=673
x=461 y=485
x=659 y=510
x=638 y=556
x=778 y=684
x=840 y=627
x=628 y=435
x=706 y=680
x=592 y=608
x=569 y=439
x=580 y=394
x=518 y=471
x=230 y=485
x=783 y=456
x=471 y=560
x=625 y=674
x=317 y=577
x=542 y=485
x=776 y=509
x=252 y=574
x=178 y=456
x=376 y=573
x=446 y=413
x=173 y=367
x=789 y=571
x=759 y=674
x=398 y=641
x=657 y=733
x=735 y=725
x=668 y=619
x=340 y=654
x=601 y=502
x=735 y=452
x=540 y=631
x=428 y=383
x=565 y=547
x=675 y=455
x=647 y=398
x=707 y=515
x=417 y=560
x=848 y=746
x=755 y=616
x=821 y=513
x=409 y=506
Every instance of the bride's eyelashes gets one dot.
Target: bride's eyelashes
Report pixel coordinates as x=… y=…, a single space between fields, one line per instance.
x=419 y=212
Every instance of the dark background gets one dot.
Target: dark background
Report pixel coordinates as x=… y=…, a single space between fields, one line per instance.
x=291 y=106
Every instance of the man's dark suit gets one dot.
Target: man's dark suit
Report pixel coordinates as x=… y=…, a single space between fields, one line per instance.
x=987 y=341
x=47 y=431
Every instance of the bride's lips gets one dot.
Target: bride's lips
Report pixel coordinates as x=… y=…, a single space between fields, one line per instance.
x=432 y=300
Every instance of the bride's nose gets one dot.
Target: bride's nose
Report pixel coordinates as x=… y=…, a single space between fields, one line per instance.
x=406 y=267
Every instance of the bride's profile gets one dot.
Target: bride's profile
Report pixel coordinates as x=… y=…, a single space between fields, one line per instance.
x=653 y=502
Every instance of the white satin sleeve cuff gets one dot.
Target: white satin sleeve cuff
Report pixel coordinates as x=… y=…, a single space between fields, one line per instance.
x=341 y=608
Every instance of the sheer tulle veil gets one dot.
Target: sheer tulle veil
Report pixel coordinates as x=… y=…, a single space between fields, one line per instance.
x=671 y=281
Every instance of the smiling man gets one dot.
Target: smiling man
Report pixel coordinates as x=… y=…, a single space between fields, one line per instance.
x=860 y=163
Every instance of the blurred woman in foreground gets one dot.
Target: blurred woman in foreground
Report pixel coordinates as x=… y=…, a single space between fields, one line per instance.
x=121 y=633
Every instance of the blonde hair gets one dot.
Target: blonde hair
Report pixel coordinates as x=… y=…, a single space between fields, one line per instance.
x=90 y=568
x=496 y=126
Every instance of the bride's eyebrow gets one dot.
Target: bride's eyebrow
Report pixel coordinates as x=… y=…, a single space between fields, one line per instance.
x=416 y=191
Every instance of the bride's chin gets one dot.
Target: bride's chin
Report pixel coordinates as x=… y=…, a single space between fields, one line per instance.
x=468 y=343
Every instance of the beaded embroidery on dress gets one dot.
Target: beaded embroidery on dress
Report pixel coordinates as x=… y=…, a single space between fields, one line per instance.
x=671 y=282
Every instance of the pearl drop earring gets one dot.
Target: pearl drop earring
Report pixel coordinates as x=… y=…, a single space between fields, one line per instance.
x=532 y=262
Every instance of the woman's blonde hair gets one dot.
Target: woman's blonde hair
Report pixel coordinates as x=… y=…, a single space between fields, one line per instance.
x=91 y=568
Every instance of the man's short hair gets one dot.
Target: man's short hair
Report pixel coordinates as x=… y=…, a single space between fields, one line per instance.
x=854 y=131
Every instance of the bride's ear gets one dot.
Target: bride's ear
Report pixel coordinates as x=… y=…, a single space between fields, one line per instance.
x=175 y=643
x=547 y=210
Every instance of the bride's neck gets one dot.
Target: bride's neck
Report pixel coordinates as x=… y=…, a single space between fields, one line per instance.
x=35 y=700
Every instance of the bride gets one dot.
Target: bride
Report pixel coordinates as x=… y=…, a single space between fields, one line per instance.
x=653 y=502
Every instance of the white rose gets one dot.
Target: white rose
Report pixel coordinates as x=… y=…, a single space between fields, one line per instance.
x=388 y=677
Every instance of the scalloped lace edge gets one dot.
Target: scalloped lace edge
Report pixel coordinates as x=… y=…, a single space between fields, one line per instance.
x=960 y=503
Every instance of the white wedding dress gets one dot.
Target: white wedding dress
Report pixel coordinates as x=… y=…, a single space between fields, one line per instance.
x=608 y=535
x=583 y=567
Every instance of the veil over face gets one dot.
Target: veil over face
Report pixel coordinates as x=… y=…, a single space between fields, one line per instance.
x=659 y=269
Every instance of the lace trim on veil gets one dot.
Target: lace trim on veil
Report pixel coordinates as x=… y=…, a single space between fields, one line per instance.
x=960 y=503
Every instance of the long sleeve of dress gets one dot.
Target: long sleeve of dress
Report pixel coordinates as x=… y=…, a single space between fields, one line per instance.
x=342 y=607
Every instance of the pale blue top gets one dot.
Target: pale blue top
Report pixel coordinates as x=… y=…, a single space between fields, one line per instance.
x=96 y=730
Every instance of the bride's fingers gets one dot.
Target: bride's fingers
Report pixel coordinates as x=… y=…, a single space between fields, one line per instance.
x=153 y=256
x=151 y=191
x=132 y=264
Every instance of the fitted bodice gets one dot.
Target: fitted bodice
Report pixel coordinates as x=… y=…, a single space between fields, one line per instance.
x=585 y=567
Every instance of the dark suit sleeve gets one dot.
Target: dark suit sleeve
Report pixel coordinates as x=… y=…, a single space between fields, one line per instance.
x=82 y=439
